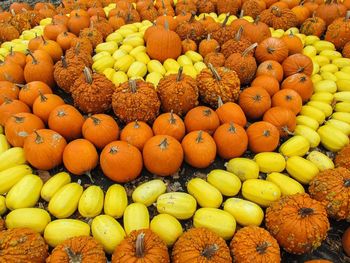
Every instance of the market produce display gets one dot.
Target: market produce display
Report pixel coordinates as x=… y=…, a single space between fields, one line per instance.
x=174 y=131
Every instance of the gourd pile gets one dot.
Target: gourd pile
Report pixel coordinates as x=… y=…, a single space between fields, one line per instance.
x=126 y=87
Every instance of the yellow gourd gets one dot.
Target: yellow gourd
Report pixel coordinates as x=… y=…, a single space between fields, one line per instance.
x=178 y=204
x=116 y=201
x=245 y=212
x=217 y=220
x=322 y=161
x=326 y=97
x=55 y=183
x=340 y=125
x=147 y=193
x=295 y=146
x=260 y=192
x=307 y=121
x=309 y=134
x=325 y=86
x=107 y=231
x=4 y=145
x=136 y=217
x=91 y=202
x=341 y=116
x=3 y=207
x=205 y=194
x=227 y=183
x=270 y=162
x=314 y=113
x=244 y=168
x=342 y=107
x=10 y=176
x=322 y=106
x=12 y=157
x=301 y=169
x=25 y=193
x=167 y=227
x=342 y=96
x=332 y=138
x=286 y=184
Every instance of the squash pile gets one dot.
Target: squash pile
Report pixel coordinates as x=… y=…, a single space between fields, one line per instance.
x=151 y=85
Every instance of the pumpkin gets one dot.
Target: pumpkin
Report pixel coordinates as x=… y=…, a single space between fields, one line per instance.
x=116 y=21
x=81 y=46
x=169 y=124
x=253 y=8
x=254 y=101
x=188 y=45
x=231 y=140
x=207 y=46
x=218 y=82
x=100 y=129
x=230 y=112
x=200 y=245
x=172 y=22
x=199 y=149
x=309 y=214
x=141 y=246
x=102 y=25
x=53 y=48
x=67 y=121
x=10 y=107
x=313 y=26
x=40 y=55
x=256 y=31
x=202 y=118
x=215 y=58
x=346 y=50
x=224 y=32
x=64 y=39
x=178 y=93
x=236 y=45
x=293 y=43
x=331 y=187
x=271 y=49
x=51 y=31
x=263 y=137
x=187 y=6
x=150 y=14
x=300 y=83
x=206 y=6
x=243 y=64
x=301 y=12
x=93 y=35
x=338 y=31
x=269 y=83
x=16 y=57
x=342 y=158
x=32 y=90
x=80 y=53
x=19 y=126
x=92 y=87
x=297 y=63
x=277 y=17
x=271 y=68
x=254 y=244
x=231 y=7
x=77 y=249
x=12 y=72
x=44 y=104
x=22 y=245
x=330 y=10
x=39 y=70
x=76 y=23
x=8 y=32
x=137 y=133
x=284 y=119
x=115 y=160
x=34 y=43
x=8 y=90
x=288 y=98
x=44 y=149
x=163 y=44
x=60 y=18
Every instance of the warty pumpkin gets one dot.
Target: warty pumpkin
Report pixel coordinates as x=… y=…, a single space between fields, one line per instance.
x=78 y=249
x=8 y=32
x=188 y=45
x=235 y=45
x=224 y=6
x=169 y=124
x=288 y=98
x=84 y=45
x=293 y=43
x=224 y=32
x=200 y=244
x=10 y=107
x=313 y=26
x=115 y=160
x=332 y=188
x=135 y=100
x=80 y=52
x=8 y=90
x=22 y=244
x=262 y=137
x=271 y=49
x=44 y=104
x=44 y=149
x=39 y=70
x=206 y=6
x=297 y=63
x=342 y=158
x=141 y=246
x=100 y=129
x=338 y=31
x=346 y=50
x=254 y=101
x=178 y=93
x=183 y=6
x=254 y=244
x=271 y=68
x=216 y=58
x=201 y=118
x=218 y=82
x=136 y=133
x=277 y=17
x=300 y=83
x=207 y=46
x=30 y=91
x=53 y=48
x=330 y=10
x=149 y=13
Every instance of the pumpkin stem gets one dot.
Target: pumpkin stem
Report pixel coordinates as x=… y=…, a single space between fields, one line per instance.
x=250 y=48
x=232 y=128
x=226 y=20
x=64 y=61
x=241 y=14
x=44 y=40
x=7 y=100
x=214 y=72
x=193 y=15
x=210 y=251
x=21 y=86
x=140 y=245
x=164 y=144
x=266 y=133
x=77 y=49
x=220 y=102
x=276 y=11
x=347 y=16
x=199 y=138
x=172 y=119
x=257 y=20
x=132 y=85
x=73 y=257
x=38 y=139
x=87 y=75
x=179 y=74
x=42 y=96
x=207 y=112
x=238 y=35
x=35 y=61
x=261 y=248
x=96 y=121
x=114 y=150
x=347 y=182
x=136 y=125
x=305 y=211
x=18 y=119
x=88 y=174
x=11 y=51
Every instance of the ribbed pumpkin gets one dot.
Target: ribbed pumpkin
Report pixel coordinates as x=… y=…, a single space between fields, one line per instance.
x=254 y=101
x=297 y=63
x=262 y=137
x=136 y=133
x=271 y=49
x=283 y=118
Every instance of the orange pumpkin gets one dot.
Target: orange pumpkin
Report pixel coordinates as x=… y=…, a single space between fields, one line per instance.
x=230 y=112
x=136 y=133
x=254 y=101
x=40 y=55
x=51 y=31
x=169 y=124
x=271 y=49
x=313 y=26
x=77 y=22
x=271 y=68
x=297 y=63
x=53 y=48
x=10 y=107
x=263 y=137
x=283 y=118
x=300 y=83
x=16 y=57
x=201 y=118
x=8 y=90
x=40 y=70
x=44 y=104
x=64 y=39
x=288 y=98
x=293 y=43
x=12 y=72
x=32 y=90
x=269 y=83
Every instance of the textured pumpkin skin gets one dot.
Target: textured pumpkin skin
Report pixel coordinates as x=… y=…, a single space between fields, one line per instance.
x=332 y=188
x=312 y=228
x=339 y=32
x=87 y=248
x=254 y=244
x=313 y=26
x=190 y=246
x=342 y=159
x=277 y=17
x=155 y=250
x=93 y=35
x=22 y=245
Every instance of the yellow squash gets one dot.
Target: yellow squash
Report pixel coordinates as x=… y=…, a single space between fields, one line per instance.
x=107 y=231
x=340 y=125
x=314 y=113
x=301 y=169
x=147 y=193
x=137 y=69
x=10 y=176
x=286 y=184
x=342 y=106
x=244 y=168
x=260 y=191
x=137 y=50
x=270 y=162
x=341 y=62
x=55 y=183
x=307 y=121
x=33 y=218
x=109 y=47
x=322 y=161
x=227 y=183
x=245 y=212
x=116 y=201
x=1 y=128
x=194 y=56
x=309 y=134
x=155 y=66
x=3 y=207
x=343 y=84
x=342 y=96
x=12 y=157
x=91 y=202
x=60 y=230
x=171 y=64
x=341 y=116
x=325 y=86
x=205 y=194
x=332 y=138
x=65 y=201
x=167 y=227
x=25 y=193
x=178 y=204
x=295 y=146
x=326 y=97
x=342 y=76
x=322 y=106
x=124 y=63
x=4 y=145
x=217 y=220
x=136 y=217
x=103 y=63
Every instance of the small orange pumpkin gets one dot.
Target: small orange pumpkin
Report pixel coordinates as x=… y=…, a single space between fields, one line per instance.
x=8 y=90
x=269 y=83
x=263 y=137
x=283 y=118
x=271 y=49
x=254 y=101
x=271 y=68
x=297 y=63
x=136 y=133
x=10 y=107
x=300 y=83
x=44 y=104
x=32 y=90
x=288 y=98
x=230 y=112
x=201 y=118
x=169 y=124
